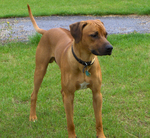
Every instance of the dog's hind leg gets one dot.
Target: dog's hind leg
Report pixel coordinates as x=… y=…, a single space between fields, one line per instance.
x=42 y=60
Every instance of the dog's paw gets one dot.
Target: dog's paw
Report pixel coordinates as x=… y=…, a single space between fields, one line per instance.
x=33 y=118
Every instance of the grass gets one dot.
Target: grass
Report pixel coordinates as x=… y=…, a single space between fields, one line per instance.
x=125 y=89
x=74 y=7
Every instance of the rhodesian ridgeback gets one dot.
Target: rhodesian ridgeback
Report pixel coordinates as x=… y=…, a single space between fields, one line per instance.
x=75 y=52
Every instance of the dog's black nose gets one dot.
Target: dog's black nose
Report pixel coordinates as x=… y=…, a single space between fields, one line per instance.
x=108 y=49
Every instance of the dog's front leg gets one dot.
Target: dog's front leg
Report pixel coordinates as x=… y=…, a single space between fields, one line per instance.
x=68 y=98
x=97 y=104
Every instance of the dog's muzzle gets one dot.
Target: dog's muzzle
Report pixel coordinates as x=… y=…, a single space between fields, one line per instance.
x=105 y=50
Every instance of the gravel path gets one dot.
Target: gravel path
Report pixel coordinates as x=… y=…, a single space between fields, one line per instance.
x=19 y=29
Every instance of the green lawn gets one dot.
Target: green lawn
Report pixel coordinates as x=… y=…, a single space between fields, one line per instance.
x=125 y=89
x=18 y=8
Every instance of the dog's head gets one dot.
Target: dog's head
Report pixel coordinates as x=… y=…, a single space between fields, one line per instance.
x=93 y=36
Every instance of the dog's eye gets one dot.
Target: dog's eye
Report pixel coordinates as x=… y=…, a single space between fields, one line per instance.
x=95 y=35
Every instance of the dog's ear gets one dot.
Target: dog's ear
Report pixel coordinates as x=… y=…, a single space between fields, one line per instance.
x=76 y=30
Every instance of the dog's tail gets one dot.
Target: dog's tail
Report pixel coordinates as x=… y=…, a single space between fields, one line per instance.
x=41 y=31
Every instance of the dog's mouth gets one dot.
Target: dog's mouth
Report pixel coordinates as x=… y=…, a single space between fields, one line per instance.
x=107 y=50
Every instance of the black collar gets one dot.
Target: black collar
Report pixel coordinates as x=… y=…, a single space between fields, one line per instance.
x=85 y=64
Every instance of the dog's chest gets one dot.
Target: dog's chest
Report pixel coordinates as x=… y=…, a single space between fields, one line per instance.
x=84 y=85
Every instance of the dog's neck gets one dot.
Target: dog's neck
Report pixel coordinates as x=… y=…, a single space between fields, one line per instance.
x=82 y=53
x=84 y=63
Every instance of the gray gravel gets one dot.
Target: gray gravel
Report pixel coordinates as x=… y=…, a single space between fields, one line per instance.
x=19 y=29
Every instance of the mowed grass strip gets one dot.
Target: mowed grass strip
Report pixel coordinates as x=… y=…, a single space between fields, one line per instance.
x=125 y=89
x=74 y=7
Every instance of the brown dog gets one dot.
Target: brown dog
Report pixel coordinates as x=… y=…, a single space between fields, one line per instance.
x=75 y=53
